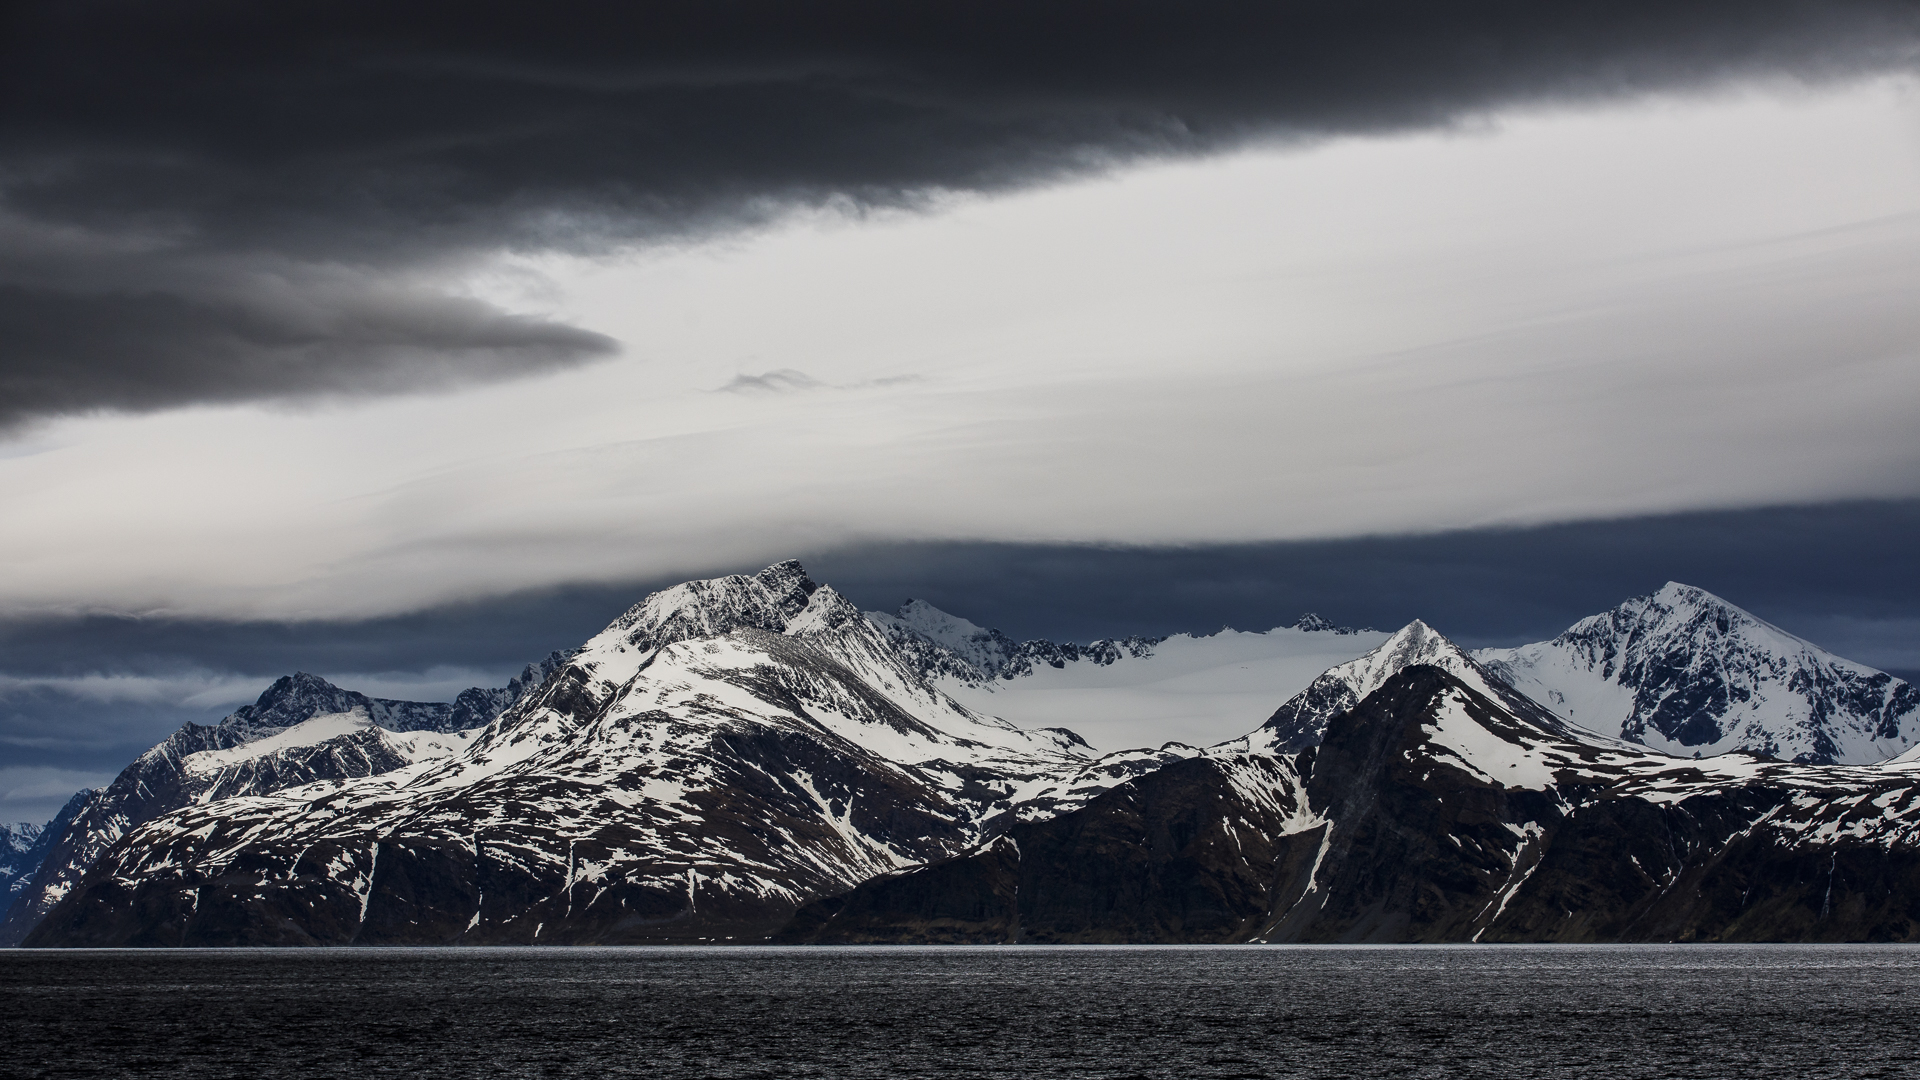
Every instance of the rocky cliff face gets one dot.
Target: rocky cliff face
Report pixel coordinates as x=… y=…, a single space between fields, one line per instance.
x=1686 y=672
x=1431 y=812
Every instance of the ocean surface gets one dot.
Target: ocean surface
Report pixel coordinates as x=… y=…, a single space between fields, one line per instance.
x=1495 y=1012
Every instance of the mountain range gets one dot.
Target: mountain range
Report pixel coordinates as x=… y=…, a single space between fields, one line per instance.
x=752 y=758
x=1430 y=812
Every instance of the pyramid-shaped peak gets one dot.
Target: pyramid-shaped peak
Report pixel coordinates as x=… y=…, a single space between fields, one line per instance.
x=1676 y=594
x=292 y=699
x=1414 y=643
x=826 y=611
x=1416 y=635
x=1302 y=720
x=1680 y=609
x=785 y=577
x=1679 y=598
x=1693 y=602
x=1499 y=737
x=294 y=687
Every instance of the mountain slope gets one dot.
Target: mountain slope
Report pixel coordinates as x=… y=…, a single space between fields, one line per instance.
x=1181 y=854
x=1686 y=672
x=722 y=753
x=302 y=729
x=1431 y=812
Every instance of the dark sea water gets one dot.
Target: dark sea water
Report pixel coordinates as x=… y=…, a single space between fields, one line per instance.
x=1614 y=1012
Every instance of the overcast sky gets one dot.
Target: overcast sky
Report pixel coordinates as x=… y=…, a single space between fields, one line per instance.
x=319 y=323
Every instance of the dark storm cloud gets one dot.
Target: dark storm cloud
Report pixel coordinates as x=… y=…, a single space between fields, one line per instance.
x=382 y=138
x=68 y=353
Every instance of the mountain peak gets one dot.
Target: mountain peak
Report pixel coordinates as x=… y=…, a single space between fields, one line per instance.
x=1684 y=671
x=292 y=699
x=1679 y=592
x=1313 y=622
x=935 y=625
x=826 y=611
x=786 y=578
x=716 y=606
x=19 y=836
x=300 y=682
x=1679 y=600
x=1414 y=643
x=1679 y=612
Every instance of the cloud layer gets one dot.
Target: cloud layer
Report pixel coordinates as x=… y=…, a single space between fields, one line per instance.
x=170 y=176
x=1678 y=304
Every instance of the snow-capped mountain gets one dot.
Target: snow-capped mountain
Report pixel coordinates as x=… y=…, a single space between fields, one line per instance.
x=302 y=730
x=724 y=752
x=1686 y=672
x=752 y=757
x=1430 y=811
x=1132 y=692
